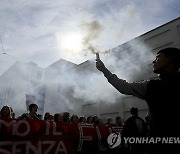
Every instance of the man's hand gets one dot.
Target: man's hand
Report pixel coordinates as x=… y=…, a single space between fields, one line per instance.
x=100 y=65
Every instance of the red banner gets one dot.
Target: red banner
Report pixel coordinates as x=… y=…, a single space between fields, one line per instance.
x=44 y=137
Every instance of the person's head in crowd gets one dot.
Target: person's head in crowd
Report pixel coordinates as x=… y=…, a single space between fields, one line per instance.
x=118 y=121
x=101 y=122
x=74 y=118
x=89 y=119
x=110 y=121
x=95 y=120
x=134 y=111
x=82 y=119
x=5 y=112
x=58 y=117
x=51 y=118
x=33 y=108
x=47 y=116
x=66 y=117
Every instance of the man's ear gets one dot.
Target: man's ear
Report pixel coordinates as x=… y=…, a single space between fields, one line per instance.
x=172 y=61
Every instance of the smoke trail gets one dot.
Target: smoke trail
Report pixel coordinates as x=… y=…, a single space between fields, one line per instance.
x=93 y=30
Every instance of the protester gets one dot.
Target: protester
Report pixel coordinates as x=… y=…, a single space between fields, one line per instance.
x=95 y=120
x=82 y=119
x=48 y=117
x=89 y=119
x=118 y=121
x=74 y=118
x=135 y=126
x=5 y=112
x=110 y=121
x=66 y=117
x=161 y=95
x=32 y=113
x=58 y=117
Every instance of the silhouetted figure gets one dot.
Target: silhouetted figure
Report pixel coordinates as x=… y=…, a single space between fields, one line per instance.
x=95 y=120
x=89 y=119
x=118 y=121
x=135 y=126
x=5 y=112
x=32 y=113
x=161 y=95
x=74 y=118
x=48 y=117
x=58 y=117
x=82 y=119
x=110 y=122
x=66 y=117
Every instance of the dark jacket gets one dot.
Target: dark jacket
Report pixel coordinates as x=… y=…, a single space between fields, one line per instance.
x=163 y=98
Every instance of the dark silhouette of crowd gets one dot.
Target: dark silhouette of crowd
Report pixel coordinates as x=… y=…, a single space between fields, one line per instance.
x=131 y=127
x=66 y=117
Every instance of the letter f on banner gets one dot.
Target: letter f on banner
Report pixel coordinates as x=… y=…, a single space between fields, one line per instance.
x=83 y=138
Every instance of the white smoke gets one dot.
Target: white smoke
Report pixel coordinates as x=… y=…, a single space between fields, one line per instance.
x=70 y=88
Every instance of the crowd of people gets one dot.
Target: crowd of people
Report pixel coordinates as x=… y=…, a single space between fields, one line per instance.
x=66 y=117
x=133 y=126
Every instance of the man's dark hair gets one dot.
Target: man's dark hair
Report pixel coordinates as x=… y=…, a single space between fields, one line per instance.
x=134 y=111
x=66 y=117
x=32 y=106
x=174 y=53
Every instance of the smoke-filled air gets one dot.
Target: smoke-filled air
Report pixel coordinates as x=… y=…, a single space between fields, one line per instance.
x=48 y=49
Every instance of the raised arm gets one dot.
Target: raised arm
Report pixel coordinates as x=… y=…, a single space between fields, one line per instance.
x=137 y=89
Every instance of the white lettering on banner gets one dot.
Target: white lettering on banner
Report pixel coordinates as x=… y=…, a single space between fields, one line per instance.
x=5 y=143
x=54 y=130
x=47 y=127
x=14 y=147
x=16 y=125
x=29 y=147
x=82 y=137
x=21 y=122
x=7 y=124
x=101 y=147
x=61 y=148
x=51 y=144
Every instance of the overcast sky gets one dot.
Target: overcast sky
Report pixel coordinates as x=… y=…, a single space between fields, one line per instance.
x=44 y=31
